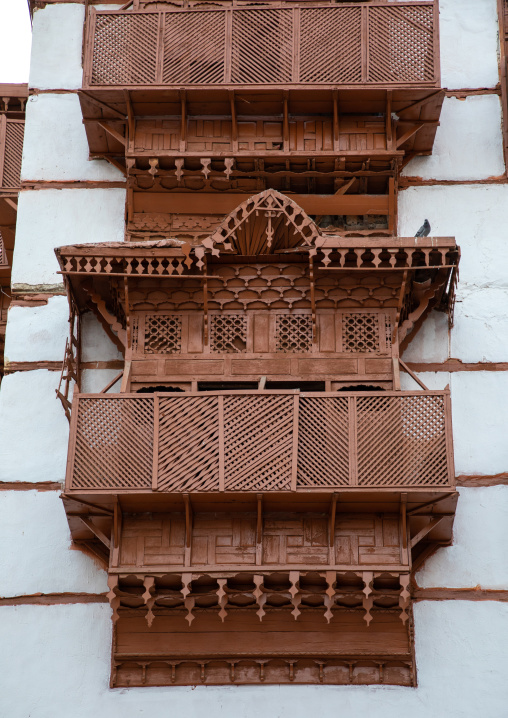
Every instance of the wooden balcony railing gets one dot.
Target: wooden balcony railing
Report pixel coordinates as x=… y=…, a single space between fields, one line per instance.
x=349 y=44
x=260 y=441
x=11 y=150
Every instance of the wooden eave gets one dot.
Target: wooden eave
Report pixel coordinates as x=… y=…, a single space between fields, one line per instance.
x=421 y=505
x=413 y=108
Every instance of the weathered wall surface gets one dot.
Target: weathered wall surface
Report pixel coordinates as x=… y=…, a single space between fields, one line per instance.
x=59 y=654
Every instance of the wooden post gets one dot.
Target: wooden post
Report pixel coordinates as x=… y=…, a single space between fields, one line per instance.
x=353 y=449
x=259 y=530
x=188 y=529
x=294 y=468
x=221 y=442
x=155 y=465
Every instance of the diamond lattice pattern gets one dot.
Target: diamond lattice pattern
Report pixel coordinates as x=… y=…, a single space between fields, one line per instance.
x=401 y=47
x=114 y=444
x=401 y=441
x=331 y=45
x=125 y=49
x=323 y=445
x=262 y=47
x=188 y=444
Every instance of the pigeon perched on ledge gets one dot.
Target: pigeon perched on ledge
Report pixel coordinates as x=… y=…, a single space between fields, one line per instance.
x=424 y=229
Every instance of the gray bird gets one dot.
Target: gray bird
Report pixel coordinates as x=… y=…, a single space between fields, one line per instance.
x=424 y=229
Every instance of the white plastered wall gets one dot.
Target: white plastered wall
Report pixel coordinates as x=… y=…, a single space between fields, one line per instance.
x=55 y=146
x=56 y=47
x=468 y=144
x=33 y=428
x=460 y=652
x=62 y=217
x=36 y=554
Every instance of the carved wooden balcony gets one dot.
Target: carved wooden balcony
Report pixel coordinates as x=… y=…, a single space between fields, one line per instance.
x=284 y=82
x=260 y=442
x=333 y=46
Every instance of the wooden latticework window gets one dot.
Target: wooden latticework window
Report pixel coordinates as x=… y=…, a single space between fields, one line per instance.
x=399 y=43
x=293 y=333
x=163 y=334
x=114 y=444
x=228 y=333
x=11 y=150
x=360 y=333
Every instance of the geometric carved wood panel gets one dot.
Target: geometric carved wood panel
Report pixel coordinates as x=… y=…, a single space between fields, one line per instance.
x=156 y=540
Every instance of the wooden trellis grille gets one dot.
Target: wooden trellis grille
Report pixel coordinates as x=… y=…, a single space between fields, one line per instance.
x=260 y=441
x=347 y=44
x=11 y=150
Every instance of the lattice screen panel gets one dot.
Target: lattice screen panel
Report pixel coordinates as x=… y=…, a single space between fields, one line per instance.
x=163 y=334
x=125 y=49
x=258 y=442
x=14 y=132
x=194 y=47
x=293 y=333
x=401 y=45
x=401 y=440
x=323 y=442
x=331 y=45
x=262 y=46
x=114 y=444
x=360 y=332
x=228 y=333
x=188 y=444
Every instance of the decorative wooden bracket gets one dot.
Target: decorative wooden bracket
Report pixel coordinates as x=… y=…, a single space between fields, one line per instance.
x=109 y=323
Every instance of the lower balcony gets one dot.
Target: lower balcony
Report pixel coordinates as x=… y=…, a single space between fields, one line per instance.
x=252 y=441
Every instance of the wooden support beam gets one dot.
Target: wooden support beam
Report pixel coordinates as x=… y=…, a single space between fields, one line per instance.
x=111 y=383
x=183 y=122
x=388 y=120
x=96 y=531
x=259 y=530
x=188 y=528
x=286 y=121
x=419 y=103
x=114 y=133
x=103 y=106
x=234 y=122
x=426 y=530
x=126 y=380
x=333 y=513
x=115 y=163
x=336 y=121
x=403 y=519
x=408 y=134
x=412 y=375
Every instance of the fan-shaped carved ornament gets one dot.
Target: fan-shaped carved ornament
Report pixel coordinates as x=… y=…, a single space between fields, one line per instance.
x=264 y=223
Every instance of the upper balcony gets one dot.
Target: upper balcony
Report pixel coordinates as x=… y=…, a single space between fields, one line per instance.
x=260 y=441
x=351 y=45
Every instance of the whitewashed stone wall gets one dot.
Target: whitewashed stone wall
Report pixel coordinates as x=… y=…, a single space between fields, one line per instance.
x=58 y=657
